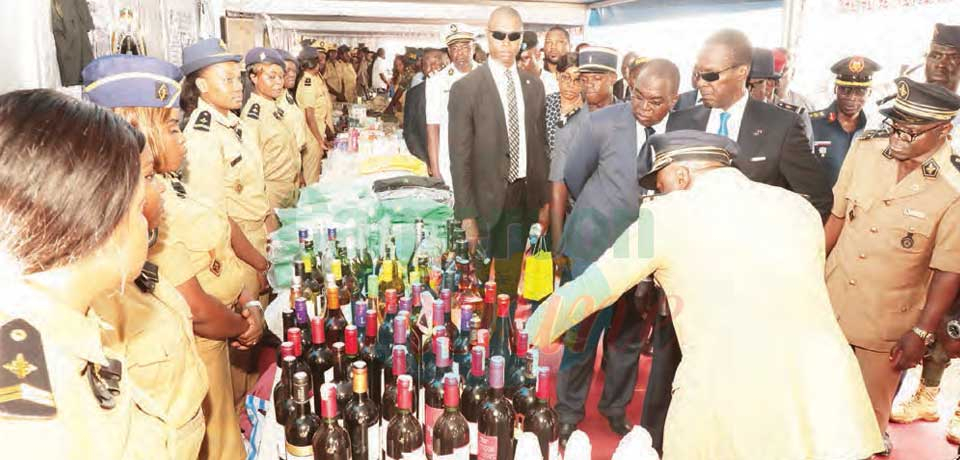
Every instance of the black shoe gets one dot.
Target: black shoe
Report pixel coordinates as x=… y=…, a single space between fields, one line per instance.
x=566 y=429
x=619 y=425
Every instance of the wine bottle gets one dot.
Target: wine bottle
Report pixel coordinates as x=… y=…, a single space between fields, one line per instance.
x=359 y=309
x=349 y=266
x=542 y=420
x=451 y=433
x=385 y=334
x=295 y=337
x=501 y=341
x=461 y=346
x=495 y=436
x=474 y=392
x=399 y=363
x=330 y=253
x=416 y=304
x=446 y=299
x=341 y=377
x=296 y=283
x=373 y=296
x=352 y=345
x=362 y=418
x=282 y=404
x=303 y=323
x=368 y=353
x=289 y=319
x=526 y=394
x=404 y=432
x=489 y=312
x=331 y=441
x=335 y=323
x=483 y=339
x=433 y=391
x=301 y=427
x=518 y=366
x=428 y=363
x=312 y=289
x=320 y=359
x=415 y=335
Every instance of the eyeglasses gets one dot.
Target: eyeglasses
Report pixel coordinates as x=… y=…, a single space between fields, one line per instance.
x=952 y=59
x=500 y=36
x=712 y=76
x=905 y=135
x=569 y=78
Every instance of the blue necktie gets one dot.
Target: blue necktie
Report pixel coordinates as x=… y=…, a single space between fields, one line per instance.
x=724 y=116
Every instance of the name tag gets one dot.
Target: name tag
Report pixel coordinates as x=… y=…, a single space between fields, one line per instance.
x=915 y=213
x=756 y=159
x=236 y=160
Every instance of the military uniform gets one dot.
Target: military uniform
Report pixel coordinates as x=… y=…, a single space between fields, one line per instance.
x=63 y=394
x=294 y=118
x=195 y=242
x=264 y=120
x=438 y=95
x=830 y=141
x=153 y=323
x=894 y=235
x=348 y=78
x=312 y=94
x=333 y=76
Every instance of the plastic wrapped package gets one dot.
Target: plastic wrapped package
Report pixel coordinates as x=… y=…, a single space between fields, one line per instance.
x=636 y=445
x=528 y=447
x=578 y=447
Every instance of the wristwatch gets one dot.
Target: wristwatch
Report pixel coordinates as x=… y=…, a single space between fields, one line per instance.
x=953 y=329
x=927 y=337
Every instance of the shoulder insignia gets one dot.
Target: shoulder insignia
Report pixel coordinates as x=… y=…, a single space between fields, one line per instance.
x=886 y=153
x=450 y=72
x=930 y=169
x=203 y=121
x=290 y=99
x=817 y=114
x=25 y=390
x=254 y=112
x=179 y=188
x=955 y=161
x=105 y=382
x=874 y=134
x=148 y=278
x=790 y=107
x=307 y=82
x=278 y=114
x=239 y=131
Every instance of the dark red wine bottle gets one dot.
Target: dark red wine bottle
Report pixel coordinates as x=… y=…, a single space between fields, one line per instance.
x=414 y=335
x=489 y=304
x=303 y=322
x=400 y=338
x=302 y=424
x=295 y=337
x=451 y=433
x=369 y=355
x=389 y=408
x=385 y=333
x=341 y=378
x=404 y=433
x=446 y=300
x=517 y=367
x=526 y=394
x=335 y=323
x=461 y=346
x=474 y=392
x=501 y=340
x=320 y=360
x=362 y=418
x=433 y=391
x=495 y=436
x=331 y=441
x=542 y=420
x=282 y=403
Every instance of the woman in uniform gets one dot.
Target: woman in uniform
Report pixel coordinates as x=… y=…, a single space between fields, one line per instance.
x=224 y=167
x=151 y=319
x=64 y=394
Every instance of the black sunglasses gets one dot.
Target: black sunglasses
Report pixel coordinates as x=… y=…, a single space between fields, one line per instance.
x=712 y=76
x=500 y=36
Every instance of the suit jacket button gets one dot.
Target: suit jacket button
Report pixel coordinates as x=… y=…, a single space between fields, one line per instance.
x=874 y=229
x=853 y=282
x=238 y=187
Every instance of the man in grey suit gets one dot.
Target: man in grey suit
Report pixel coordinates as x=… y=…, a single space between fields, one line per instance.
x=604 y=154
x=498 y=152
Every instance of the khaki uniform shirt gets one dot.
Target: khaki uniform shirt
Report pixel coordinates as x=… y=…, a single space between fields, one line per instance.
x=894 y=236
x=263 y=121
x=48 y=405
x=223 y=167
x=294 y=118
x=348 y=76
x=333 y=75
x=312 y=93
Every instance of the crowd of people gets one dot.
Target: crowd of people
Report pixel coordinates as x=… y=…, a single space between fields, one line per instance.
x=785 y=264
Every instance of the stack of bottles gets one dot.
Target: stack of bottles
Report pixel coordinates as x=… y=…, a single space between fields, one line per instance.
x=384 y=358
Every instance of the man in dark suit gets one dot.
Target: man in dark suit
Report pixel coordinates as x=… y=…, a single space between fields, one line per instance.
x=773 y=150
x=415 y=108
x=498 y=149
x=604 y=153
x=690 y=98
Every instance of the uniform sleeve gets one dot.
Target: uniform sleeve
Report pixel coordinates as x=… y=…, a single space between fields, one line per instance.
x=435 y=107
x=175 y=263
x=844 y=180
x=581 y=157
x=307 y=95
x=205 y=169
x=946 y=252
x=633 y=257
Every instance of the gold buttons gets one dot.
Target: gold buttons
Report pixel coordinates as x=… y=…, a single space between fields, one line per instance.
x=904 y=309
x=852 y=282
x=863 y=256
x=886 y=202
x=238 y=187
x=874 y=229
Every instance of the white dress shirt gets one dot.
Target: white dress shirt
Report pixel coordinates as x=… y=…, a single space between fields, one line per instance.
x=550 y=83
x=659 y=128
x=733 y=123
x=438 y=97
x=500 y=79
x=380 y=67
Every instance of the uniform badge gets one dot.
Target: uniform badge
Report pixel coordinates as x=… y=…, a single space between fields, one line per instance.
x=263 y=57
x=290 y=99
x=856 y=64
x=450 y=72
x=105 y=382
x=25 y=390
x=903 y=91
x=254 y=112
x=790 y=107
x=236 y=160
x=148 y=279
x=931 y=169
x=203 y=121
x=178 y=187
x=215 y=267
x=453 y=28
x=817 y=114
x=832 y=117
x=955 y=161
x=307 y=82
x=887 y=154
x=162 y=91
x=758 y=132
x=239 y=132
x=907 y=241
x=238 y=187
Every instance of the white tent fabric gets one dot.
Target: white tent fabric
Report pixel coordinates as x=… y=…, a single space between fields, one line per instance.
x=29 y=50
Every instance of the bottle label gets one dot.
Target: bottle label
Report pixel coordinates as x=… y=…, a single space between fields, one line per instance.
x=373 y=442
x=473 y=437
x=553 y=450
x=386 y=271
x=307 y=264
x=421 y=403
x=486 y=447
x=460 y=453
x=328 y=375
x=383 y=436
x=430 y=419
x=416 y=453
x=336 y=269
x=299 y=452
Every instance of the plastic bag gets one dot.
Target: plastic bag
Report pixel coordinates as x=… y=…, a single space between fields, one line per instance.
x=636 y=445
x=537 y=267
x=528 y=447
x=578 y=447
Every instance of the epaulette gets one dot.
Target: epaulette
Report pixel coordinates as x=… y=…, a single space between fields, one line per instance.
x=955 y=161
x=290 y=99
x=307 y=82
x=791 y=107
x=817 y=114
x=203 y=121
x=254 y=112
x=874 y=134
x=148 y=278
x=25 y=391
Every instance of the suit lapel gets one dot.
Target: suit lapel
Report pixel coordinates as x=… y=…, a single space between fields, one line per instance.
x=750 y=132
x=701 y=117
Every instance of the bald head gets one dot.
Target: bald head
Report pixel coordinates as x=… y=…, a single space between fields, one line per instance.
x=661 y=69
x=504 y=31
x=504 y=13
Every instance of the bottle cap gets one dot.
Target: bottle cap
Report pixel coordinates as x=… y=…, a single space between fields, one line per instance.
x=350 y=336
x=443 y=352
x=294 y=336
x=404 y=393
x=371 y=323
x=390 y=297
x=543 y=383
x=415 y=290
x=317 y=334
x=399 y=359
x=483 y=338
x=333 y=297
x=446 y=294
x=523 y=341
x=405 y=304
x=359 y=377
x=466 y=314
x=503 y=305
x=490 y=292
x=438 y=311
x=331 y=234
x=451 y=390
x=286 y=349
x=476 y=361
x=496 y=372
x=328 y=401
x=303 y=233
x=399 y=331
x=301 y=386
x=373 y=286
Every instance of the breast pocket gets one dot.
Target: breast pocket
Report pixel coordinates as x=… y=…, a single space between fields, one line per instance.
x=151 y=365
x=911 y=237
